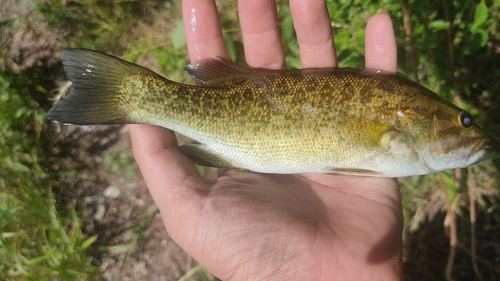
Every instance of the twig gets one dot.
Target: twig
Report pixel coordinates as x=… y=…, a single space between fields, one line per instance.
x=409 y=47
x=471 y=183
x=449 y=32
x=450 y=217
x=478 y=258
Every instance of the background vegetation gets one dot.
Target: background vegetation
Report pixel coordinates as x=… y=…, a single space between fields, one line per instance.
x=452 y=219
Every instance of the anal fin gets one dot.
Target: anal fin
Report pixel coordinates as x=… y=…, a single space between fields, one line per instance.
x=200 y=154
x=351 y=172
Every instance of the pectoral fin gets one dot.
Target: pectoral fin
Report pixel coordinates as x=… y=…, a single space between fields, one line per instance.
x=202 y=155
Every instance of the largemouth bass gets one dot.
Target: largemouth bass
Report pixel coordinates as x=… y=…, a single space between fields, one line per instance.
x=328 y=120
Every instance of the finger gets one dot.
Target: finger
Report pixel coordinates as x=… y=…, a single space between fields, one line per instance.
x=172 y=179
x=314 y=33
x=202 y=29
x=163 y=167
x=381 y=52
x=261 y=34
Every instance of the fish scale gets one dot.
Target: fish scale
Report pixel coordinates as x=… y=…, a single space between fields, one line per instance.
x=329 y=120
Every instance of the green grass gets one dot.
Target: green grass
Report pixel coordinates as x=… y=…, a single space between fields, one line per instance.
x=452 y=51
x=38 y=240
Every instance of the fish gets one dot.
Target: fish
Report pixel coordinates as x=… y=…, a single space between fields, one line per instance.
x=361 y=122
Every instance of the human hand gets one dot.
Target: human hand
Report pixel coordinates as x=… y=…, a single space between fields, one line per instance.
x=249 y=226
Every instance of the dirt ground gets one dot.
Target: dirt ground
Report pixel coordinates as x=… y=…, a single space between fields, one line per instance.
x=125 y=215
x=120 y=211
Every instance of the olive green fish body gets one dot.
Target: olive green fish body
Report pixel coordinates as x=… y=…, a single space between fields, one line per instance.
x=276 y=121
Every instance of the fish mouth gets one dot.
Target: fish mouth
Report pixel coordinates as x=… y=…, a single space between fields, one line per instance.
x=480 y=150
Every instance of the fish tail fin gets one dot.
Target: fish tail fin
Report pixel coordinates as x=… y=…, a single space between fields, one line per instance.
x=99 y=95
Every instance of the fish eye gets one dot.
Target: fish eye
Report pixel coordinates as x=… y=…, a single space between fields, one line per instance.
x=465 y=119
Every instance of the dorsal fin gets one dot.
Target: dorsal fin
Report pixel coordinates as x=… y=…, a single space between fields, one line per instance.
x=212 y=71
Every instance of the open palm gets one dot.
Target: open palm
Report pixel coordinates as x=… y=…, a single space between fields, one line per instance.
x=250 y=226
